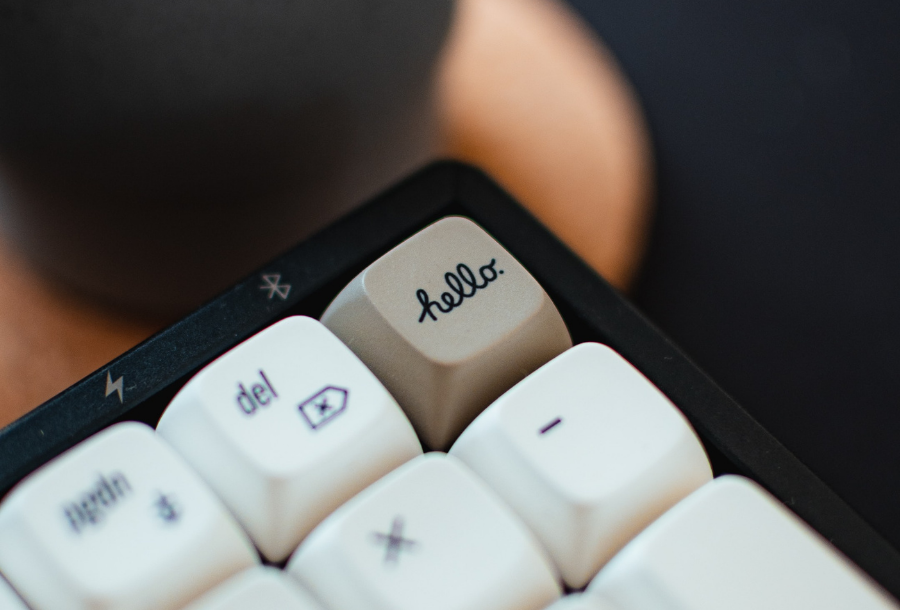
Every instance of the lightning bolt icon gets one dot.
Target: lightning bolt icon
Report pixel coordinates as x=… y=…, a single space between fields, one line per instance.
x=114 y=386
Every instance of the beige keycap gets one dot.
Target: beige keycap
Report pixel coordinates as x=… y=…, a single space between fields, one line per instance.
x=448 y=320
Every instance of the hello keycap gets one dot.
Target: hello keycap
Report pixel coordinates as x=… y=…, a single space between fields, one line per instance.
x=448 y=320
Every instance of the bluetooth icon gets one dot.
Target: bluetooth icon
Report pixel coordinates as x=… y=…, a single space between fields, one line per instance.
x=274 y=286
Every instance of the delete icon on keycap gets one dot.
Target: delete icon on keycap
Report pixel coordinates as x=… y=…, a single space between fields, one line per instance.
x=323 y=406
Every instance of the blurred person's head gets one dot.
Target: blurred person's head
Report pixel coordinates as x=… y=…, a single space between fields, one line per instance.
x=153 y=151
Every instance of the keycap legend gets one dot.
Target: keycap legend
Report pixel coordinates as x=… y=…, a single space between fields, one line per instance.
x=166 y=508
x=323 y=406
x=94 y=504
x=457 y=282
x=550 y=426
x=259 y=395
x=394 y=542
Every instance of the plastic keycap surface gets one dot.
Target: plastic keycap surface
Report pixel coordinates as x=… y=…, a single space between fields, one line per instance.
x=428 y=535
x=588 y=452
x=285 y=427
x=448 y=320
x=731 y=545
x=580 y=601
x=259 y=588
x=8 y=598
x=118 y=522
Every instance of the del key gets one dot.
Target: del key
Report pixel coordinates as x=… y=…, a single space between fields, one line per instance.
x=448 y=320
x=286 y=427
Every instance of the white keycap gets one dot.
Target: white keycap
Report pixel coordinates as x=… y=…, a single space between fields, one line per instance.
x=428 y=535
x=117 y=522
x=588 y=452
x=8 y=598
x=448 y=320
x=259 y=588
x=732 y=545
x=580 y=601
x=285 y=428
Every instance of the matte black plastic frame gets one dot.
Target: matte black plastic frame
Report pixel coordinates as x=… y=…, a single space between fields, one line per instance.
x=318 y=268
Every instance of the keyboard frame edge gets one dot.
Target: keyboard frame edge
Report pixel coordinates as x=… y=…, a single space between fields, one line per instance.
x=319 y=267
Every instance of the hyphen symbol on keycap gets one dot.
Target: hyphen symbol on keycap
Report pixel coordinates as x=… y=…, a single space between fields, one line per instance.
x=393 y=542
x=323 y=406
x=274 y=286
x=550 y=426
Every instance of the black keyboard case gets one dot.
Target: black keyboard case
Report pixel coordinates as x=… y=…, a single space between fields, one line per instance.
x=304 y=281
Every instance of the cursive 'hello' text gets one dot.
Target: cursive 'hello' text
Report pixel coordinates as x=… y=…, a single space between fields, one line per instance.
x=463 y=285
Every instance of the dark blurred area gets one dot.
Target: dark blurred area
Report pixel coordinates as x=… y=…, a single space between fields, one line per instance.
x=776 y=248
x=226 y=129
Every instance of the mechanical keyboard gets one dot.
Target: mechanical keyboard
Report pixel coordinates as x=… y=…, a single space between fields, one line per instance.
x=430 y=404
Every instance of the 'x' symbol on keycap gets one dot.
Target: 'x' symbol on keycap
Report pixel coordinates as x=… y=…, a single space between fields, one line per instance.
x=323 y=406
x=274 y=286
x=394 y=542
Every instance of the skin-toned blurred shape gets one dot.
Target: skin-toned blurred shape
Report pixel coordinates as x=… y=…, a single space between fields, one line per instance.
x=531 y=96
x=525 y=92
x=51 y=338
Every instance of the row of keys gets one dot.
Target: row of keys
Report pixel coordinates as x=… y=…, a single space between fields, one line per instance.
x=432 y=534
x=546 y=485
x=431 y=529
x=615 y=455
x=291 y=424
x=236 y=422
